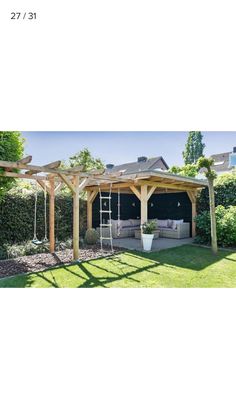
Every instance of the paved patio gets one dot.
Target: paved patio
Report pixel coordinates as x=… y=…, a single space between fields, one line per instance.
x=159 y=244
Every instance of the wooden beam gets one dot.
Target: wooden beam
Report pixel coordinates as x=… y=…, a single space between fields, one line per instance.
x=25 y=160
x=58 y=187
x=52 y=165
x=76 y=218
x=166 y=185
x=193 y=198
x=135 y=191
x=83 y=184
x=38 y=169
x=43 y=184
x=22 y=176
x=151 y=191
x=68 y=182
x=89 y=210
x=52 y=215
x=144 y=206
x=92 y=195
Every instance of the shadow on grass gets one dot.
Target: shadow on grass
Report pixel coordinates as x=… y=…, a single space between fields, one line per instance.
x=188 y=257
x=105 y=271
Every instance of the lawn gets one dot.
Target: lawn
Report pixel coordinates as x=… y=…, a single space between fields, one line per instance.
x=185 y=266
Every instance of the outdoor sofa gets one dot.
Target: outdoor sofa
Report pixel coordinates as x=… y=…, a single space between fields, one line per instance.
x=173 y=229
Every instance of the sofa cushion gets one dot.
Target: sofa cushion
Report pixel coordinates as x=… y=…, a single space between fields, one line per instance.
x=135 y=223
x=125 y=223
x=162 y=223
x=170 y=223
x=176 y=222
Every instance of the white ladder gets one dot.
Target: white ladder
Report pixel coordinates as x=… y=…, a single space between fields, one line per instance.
x=103 y=225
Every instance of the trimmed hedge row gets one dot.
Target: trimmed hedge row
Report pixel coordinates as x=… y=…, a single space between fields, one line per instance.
x=17 y=217
x=225 y=200
x=225 y=226
x=225 y=193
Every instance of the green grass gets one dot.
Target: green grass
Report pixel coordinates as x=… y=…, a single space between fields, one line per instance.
x=185 y=266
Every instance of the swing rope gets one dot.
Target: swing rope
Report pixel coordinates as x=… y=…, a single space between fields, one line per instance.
x=35 y=239
x=45 y=214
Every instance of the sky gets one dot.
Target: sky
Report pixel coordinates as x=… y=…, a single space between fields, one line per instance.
x=120 y=147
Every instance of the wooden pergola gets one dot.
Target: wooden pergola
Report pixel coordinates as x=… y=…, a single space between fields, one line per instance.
x=143 y=185
x=52 y=177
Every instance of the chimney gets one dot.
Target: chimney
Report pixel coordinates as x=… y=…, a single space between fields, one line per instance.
x=234 y=150
x=109 y=166
x=141 y=159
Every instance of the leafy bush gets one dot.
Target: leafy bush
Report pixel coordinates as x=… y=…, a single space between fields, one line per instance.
x=225 y=193
x=17 y=216
x=225 y=226
x=10 y=251
x=11 y=149
x=91 y=236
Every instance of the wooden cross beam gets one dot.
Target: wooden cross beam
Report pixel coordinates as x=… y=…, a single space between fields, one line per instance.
x=52 y=165
x=37 y=169
x=25 y=160
x=67 y=181
x=135 y=191
x=44 y=185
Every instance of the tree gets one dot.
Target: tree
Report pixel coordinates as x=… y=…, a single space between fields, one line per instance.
x=193 y=148
x=84 y=158
x=204 y=163
x=189 y=170
x=11 y=149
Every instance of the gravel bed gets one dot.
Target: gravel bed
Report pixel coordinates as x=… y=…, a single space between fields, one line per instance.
x=43 y=261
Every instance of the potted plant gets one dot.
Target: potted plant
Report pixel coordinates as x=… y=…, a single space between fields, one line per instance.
x=147 y=235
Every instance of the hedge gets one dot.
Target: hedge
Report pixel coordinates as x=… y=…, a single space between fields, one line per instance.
x=225 y=193
x=225 y=226
x=17 y=217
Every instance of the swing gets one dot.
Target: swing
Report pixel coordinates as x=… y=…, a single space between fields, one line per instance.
x=35 y=240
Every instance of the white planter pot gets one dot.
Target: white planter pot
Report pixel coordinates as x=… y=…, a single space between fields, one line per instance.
x=147 y=241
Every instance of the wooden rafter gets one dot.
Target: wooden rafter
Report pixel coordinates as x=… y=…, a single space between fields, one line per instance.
x=151 y=191
x=53 y=165
x=68 y=182
x=44 y=185
x=136 y=191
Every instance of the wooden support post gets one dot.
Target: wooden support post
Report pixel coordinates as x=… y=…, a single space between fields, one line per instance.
x=144 y=206
x=89 y=210
x=76 y=218
x=91 y=195
x=193 y=198
x=52 y=215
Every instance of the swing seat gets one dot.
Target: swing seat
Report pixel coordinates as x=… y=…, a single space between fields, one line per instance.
x=37 y=242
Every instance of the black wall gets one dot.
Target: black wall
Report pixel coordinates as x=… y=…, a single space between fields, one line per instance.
x=171 y=205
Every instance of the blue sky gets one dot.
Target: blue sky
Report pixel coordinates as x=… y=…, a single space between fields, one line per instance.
x=120 y=147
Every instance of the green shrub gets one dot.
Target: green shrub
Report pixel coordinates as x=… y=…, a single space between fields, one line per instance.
x=10 y=251
x=225 y=192
x=17 y=216
x=225 y=226
x=91 y=236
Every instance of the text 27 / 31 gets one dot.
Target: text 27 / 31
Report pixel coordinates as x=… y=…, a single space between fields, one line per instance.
x=23 y=15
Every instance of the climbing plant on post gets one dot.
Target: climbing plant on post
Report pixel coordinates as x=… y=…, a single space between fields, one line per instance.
x=205 y=163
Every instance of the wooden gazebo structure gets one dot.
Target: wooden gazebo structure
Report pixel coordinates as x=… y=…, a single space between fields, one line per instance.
x=142 y=184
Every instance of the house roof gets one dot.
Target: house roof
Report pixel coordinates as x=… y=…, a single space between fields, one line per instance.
x=221 y=162
x=139 y=166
